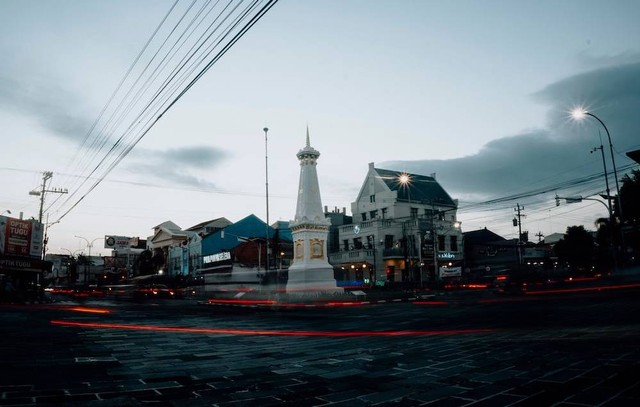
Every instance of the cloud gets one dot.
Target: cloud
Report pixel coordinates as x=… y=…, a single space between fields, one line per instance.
x=46 y=103
x=549 y=155
x=175 y=165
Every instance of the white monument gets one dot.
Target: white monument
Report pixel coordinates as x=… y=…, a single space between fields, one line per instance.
x=310 y=271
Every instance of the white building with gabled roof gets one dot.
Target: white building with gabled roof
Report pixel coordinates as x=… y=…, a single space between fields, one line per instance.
x=404 y=229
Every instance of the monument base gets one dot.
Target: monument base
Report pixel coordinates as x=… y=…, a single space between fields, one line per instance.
x=312 y=280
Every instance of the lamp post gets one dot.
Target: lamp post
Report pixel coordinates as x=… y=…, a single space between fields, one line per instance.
x=266 y=186
x=89 y=246
x=404 y=180
x=579 y=114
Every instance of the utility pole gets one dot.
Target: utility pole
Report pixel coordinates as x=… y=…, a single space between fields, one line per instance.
x=46 y=176
x=517 y=221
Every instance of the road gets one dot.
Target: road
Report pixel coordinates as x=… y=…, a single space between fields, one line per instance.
x=573 y=349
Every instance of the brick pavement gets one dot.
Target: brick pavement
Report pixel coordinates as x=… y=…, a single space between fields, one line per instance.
x=580 y=351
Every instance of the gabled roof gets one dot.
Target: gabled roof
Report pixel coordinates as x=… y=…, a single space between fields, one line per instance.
x=421 y=188
x=168 y=225
x=250 y=227
x=481 y=236
x=218 y=222
x=553 y=238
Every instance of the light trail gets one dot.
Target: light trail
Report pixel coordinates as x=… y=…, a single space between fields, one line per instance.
x=221 y=331
x=583 y=289
x=91 y=310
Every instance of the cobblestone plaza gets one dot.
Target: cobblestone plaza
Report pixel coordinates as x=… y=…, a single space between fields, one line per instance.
x=568 y=350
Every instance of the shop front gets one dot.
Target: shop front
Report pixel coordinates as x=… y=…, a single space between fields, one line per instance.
x=22 y=278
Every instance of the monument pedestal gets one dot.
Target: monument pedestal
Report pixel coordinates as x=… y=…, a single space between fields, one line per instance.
x=312 y=279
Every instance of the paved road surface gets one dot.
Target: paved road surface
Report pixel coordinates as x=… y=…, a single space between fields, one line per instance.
x=579 y=349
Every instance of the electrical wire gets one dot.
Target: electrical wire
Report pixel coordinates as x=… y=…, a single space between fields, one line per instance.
x=181 y=79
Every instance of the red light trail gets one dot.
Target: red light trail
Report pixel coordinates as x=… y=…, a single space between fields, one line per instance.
x=583 y=289
x=220 y=331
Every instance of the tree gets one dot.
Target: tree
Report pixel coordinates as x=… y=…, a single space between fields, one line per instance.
x=576 y=249
x=605 y=242
x=144 y=263
x=630 y=202
x=630 y=197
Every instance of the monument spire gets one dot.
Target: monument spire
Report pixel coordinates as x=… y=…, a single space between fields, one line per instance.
x=310 y=270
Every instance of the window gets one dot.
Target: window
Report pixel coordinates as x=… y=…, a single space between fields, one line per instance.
x=414 y=213
x=373 y=214
x=454 y=243
x=364 y=216
x=357 y=243
x=441 y=246
x=370 y=241
x=384 y=213
x=372 y=198
x=345 y=244
x=411 y=244
x=388 y=241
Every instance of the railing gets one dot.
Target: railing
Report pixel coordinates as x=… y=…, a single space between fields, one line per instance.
x=352 y=256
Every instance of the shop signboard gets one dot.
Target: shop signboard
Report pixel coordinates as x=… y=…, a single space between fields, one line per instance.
x=446 y=272
x=117 y=242
x=20 y=237
x=217 y=263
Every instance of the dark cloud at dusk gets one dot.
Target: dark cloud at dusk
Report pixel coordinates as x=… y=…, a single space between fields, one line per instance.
x=173 y=166
x=549 y=155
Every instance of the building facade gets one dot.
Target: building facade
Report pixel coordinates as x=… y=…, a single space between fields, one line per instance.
x=404 y=229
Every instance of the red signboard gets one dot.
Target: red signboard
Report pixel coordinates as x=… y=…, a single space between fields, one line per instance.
x=20 y=237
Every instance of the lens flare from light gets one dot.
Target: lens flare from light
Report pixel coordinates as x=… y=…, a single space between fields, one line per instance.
x=578 y=113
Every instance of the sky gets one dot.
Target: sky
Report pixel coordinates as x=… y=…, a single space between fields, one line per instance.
x=477 y=92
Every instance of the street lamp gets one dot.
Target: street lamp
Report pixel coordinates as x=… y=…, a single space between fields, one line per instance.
x=404 y=180
x=89 y=246
x=266 y=186
x=6 y=211
x=580 y=113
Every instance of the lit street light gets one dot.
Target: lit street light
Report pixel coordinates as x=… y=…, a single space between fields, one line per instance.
x=580 y=113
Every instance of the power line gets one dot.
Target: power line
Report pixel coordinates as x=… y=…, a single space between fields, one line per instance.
x=171 y=91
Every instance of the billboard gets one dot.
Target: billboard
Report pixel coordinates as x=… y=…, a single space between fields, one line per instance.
x=117 y=242
x=20 y=237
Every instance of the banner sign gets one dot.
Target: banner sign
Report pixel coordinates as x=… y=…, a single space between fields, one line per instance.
x=217 y=263
x=117 y=242
x=450 y=272
x=20 y=237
